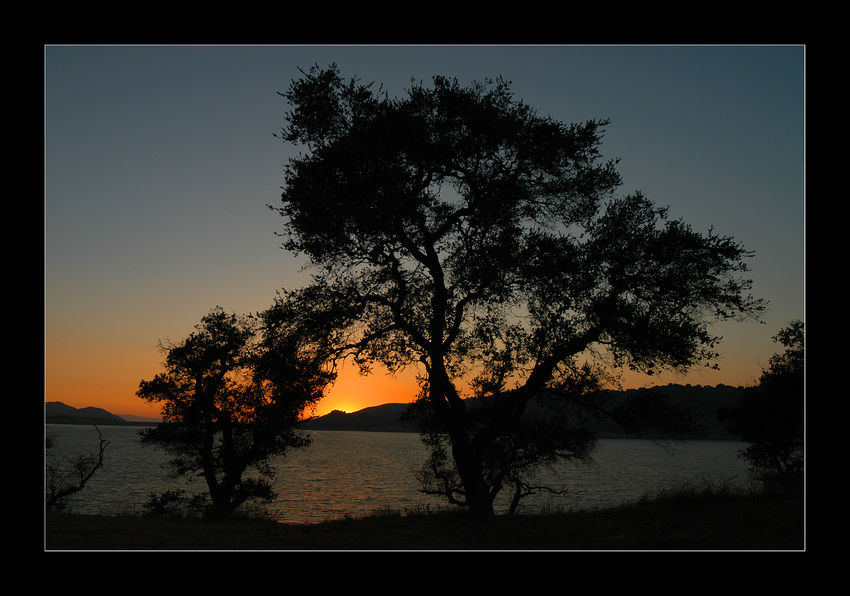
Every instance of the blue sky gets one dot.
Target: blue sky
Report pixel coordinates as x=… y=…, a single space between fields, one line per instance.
x=160 y=161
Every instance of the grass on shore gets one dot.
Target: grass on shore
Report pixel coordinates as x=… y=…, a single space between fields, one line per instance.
x=683 y=519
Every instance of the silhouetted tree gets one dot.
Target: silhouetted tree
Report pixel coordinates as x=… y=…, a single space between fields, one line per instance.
x=71 y=476
x=458 y=230
x=769 y=415
x=232 y=395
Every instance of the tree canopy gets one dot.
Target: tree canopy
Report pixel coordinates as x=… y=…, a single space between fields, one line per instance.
x=458 y=230
x=232 y=394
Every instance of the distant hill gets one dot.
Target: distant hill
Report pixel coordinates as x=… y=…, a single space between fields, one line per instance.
x=57 y=412
x=384 y=418
x=704 y=399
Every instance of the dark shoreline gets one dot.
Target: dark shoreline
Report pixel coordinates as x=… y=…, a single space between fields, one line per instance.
x=694 y=524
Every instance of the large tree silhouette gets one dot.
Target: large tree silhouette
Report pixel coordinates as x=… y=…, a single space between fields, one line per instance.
x=457 y=230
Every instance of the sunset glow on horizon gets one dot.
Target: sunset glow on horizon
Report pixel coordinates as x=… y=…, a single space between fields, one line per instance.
x=161 y=162
x=71 y=382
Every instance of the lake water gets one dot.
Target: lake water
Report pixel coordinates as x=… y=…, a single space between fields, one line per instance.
x=357 y=473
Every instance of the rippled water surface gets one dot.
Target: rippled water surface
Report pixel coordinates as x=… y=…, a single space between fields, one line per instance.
x=356 y=473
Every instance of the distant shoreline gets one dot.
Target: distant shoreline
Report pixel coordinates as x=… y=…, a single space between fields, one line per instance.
x=387 y=417
x=78 y=421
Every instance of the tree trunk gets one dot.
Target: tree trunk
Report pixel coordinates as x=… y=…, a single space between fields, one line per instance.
x=479 y=499
x=450 y=408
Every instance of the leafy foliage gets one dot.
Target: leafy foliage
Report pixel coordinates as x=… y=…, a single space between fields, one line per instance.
x=231 y=396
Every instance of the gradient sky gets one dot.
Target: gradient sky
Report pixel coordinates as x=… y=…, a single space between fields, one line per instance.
x=160 y=161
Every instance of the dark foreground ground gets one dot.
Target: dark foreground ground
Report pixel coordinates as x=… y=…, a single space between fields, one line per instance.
x=716 y=524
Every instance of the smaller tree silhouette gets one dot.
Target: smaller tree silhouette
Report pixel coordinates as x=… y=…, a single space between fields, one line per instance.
x=769 y=415
x=232 y=395
x=71 y=476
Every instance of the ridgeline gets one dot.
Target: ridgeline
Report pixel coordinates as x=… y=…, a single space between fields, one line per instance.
x=386 y=418
x=56 y=412
x=704 y=399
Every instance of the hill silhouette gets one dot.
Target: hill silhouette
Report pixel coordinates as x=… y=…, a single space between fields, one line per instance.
x=56 y=412
x=386 y=418
x=383 y=418
x=704 y=399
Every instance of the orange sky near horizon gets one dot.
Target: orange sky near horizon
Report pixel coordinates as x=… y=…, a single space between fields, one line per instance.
x=83 y=379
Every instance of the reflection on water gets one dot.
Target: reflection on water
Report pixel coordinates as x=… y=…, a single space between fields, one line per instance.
x=357 y=473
